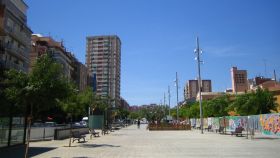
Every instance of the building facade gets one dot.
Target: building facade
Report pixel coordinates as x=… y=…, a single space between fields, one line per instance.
x=191 y=88
x=239 y=80
x=80 y=75
x=103 y=59
x=72 y=69
x=46 y=45
x=15 y=35
x=15 y=38
x=124 y=104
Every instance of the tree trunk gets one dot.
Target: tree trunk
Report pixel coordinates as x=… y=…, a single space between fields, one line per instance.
x=29 y=120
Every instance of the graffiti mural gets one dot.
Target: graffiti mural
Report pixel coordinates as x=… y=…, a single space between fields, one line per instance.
x=270 y=124
x=205 y=123
x=236 y=121
x=215 y=123
x=267 y=124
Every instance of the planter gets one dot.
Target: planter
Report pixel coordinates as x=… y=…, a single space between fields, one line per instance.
x=164 y=127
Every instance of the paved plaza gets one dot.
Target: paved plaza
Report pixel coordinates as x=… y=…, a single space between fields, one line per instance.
x=131 y=142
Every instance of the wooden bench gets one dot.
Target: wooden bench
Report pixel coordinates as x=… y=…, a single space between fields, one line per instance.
x=105 y=131
x=77 y=136
x=93 y=133
x=237 y=131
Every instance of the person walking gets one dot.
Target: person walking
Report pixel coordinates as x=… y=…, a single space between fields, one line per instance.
x=138 y=123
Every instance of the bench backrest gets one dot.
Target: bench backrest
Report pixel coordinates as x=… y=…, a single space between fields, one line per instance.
x=238 y=129
x=76 y=134
x=92 y=131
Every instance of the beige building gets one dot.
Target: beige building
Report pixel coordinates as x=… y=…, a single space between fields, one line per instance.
x=103 y=59
x=191 y=88
x=209 y=95
x=15 y=35
x=239 y=80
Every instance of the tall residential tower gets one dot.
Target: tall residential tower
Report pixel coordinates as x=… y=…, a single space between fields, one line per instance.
x=15 y=35
x=103 y=59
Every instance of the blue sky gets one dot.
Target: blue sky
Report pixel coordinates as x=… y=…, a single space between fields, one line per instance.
x=158 y=38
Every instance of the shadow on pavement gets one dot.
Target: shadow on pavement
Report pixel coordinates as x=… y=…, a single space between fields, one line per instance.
x=33 y=151
x=98 y=145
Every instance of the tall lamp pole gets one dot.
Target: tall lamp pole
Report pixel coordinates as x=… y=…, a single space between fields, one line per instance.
x=177 y=97
x=198 y=51
x=169 y=100
x=164 y=104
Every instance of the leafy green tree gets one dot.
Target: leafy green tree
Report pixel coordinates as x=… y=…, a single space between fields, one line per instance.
x=183 y=113
x=194 y=111
x=244 y=104
x=265 y=101
x=123 y=113
x=173 y=112
x=216 y=107
x=47 y=85
x=154 y=113
x=134 y=115
x=14 y=92
x=259 y=102
x=73 y=104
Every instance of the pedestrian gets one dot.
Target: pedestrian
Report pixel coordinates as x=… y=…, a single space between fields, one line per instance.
x=138 y=123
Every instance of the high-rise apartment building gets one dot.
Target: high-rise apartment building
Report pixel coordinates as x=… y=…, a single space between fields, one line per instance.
x=15 y=39
x=103 y=59
x=192 y=89
x=239 y=80
x=15 y=35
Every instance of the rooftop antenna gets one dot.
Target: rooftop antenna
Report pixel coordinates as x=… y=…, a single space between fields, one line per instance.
x=274 y=73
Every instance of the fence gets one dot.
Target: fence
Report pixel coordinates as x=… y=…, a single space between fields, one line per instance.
x=267 y=124
x=42 y=133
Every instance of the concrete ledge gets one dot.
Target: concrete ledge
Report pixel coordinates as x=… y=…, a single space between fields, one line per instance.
x=65 y=133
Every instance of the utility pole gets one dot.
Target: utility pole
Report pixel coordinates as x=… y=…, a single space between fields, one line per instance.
x=164 y=104
x=169 y=100
x=177 y=98
x=164 y=99
x=198 y=52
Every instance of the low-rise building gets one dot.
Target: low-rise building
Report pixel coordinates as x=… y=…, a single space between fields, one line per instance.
x=191 y=88
x=239 y=80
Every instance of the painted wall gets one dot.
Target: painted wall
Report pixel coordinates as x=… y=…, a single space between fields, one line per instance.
x=267 y=124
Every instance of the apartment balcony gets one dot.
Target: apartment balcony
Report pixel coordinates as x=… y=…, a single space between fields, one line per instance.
x=20 y=53
x=18 y=35
x=12 y=65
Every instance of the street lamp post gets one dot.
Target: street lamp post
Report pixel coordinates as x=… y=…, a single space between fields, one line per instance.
x=198 y=52
x=177 y=97
x=169 y=100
